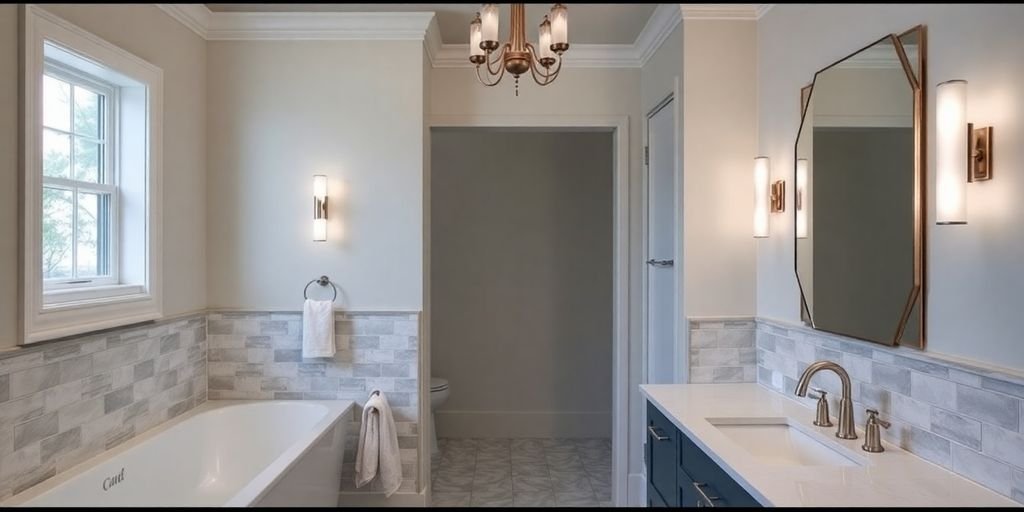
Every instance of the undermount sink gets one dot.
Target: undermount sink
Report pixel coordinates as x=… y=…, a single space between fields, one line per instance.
x=776 y=441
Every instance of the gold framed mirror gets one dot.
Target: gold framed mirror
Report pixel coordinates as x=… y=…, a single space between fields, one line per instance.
x=859 y=171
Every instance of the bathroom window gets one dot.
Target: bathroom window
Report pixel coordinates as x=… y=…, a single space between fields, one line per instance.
x=79 y=199
x=91 y=197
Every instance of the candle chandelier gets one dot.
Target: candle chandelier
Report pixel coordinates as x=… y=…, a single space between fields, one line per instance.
x=517 y=56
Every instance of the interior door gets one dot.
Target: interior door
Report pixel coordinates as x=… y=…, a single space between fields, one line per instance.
x=661 y=243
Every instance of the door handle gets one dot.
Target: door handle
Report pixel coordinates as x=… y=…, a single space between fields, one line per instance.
x=655 y=434
x=709 y=501
x=660 y=263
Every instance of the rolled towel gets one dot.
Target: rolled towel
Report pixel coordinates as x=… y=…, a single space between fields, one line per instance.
x=378 y=446
x=317 y=328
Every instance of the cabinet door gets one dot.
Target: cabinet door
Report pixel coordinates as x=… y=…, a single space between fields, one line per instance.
x=654 y=498
x=662 y=452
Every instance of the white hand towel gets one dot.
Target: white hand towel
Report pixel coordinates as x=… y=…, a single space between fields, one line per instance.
x=318 y=328
x=378 y=446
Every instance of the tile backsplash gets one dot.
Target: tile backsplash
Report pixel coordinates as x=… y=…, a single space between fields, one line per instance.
x=66 y=401
x=258 y=355
x=722 y=350
x=964 y=417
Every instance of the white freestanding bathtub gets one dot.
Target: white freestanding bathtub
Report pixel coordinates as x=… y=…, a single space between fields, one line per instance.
x=222 y=453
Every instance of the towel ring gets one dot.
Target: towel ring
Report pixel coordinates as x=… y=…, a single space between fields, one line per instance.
x=322 y=281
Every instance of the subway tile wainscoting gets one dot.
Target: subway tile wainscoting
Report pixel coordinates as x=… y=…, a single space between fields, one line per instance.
x=66 y=401
x=961 y=416
x=258 y=355
x=722 y=350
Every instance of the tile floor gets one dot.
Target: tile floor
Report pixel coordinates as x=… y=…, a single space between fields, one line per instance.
x=522 y=472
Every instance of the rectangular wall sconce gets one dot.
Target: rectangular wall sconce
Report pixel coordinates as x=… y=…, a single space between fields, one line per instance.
x=801 y=201
x=960 y=150
x=762 y=175
x=319 y=208
x=778 y=197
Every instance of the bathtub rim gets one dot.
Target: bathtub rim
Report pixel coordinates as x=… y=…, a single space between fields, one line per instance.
x=250 y=493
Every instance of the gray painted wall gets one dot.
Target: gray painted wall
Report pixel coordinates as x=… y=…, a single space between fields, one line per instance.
x=521 y=251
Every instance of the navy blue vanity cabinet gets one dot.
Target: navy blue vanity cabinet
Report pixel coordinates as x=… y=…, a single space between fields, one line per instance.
x=662 y=460
x=686 y=476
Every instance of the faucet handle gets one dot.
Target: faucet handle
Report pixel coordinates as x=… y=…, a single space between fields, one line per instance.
x=873 y=416
x=872 y=433
x=821 y=419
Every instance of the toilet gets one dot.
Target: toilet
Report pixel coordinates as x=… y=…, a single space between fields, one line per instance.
x=438 y=395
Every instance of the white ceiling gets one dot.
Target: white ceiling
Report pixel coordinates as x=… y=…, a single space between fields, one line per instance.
x=588 y=23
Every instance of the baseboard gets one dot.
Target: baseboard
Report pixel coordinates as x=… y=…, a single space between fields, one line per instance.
x=461 y=424
x=367 y=499
x=636 y=491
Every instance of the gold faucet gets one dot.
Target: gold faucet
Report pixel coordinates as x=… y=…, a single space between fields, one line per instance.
x=846 y=429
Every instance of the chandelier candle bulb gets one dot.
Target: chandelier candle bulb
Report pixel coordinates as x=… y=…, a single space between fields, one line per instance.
x=489 y=27
x=560 y=28
x=762 y=176
x=545 y=42
x=475 y=38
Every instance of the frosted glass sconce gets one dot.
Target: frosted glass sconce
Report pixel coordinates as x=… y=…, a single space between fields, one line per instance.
x=801 y=199
x=761 y=196
x=319 y=208
x=963 y=154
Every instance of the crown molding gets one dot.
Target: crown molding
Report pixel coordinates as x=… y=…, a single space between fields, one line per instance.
x=735 y=12
x=194 y=16
x=662 y=22
x=234 y=26
x=318 y=26
x=432 y=42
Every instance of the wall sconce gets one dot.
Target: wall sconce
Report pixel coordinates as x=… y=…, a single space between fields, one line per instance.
x=778 y=197
x=319 y=208
x=801 y=201
x=762 y=174
x=959 y=147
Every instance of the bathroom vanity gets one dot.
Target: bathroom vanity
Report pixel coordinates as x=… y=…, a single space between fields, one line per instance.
x=740 y=445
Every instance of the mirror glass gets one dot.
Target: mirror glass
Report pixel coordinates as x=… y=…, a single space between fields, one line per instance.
x=858 y=223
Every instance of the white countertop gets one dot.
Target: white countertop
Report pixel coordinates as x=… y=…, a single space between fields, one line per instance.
x=894 y=477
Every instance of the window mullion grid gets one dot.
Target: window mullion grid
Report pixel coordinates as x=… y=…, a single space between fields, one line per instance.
x=74 y=191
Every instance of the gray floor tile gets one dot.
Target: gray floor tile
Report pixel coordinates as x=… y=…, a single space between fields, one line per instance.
x=522 y=472
x=450 y=499
x=453 y=483
x=459 y=471
x=530 y=469
x=499 y=498
x=575 y=499
x=532 y=484
x=541 y=499
x=571 y=482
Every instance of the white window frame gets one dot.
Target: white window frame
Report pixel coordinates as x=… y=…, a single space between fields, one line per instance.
x=76 y=78
x=135 y=294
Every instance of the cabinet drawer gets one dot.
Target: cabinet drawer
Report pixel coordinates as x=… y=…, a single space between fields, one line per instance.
x=709 y=480
x=662 y=456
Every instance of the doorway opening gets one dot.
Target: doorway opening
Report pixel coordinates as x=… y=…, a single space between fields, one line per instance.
x=524 y=313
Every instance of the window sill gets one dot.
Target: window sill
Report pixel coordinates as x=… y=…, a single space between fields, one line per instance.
x=92 y=296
